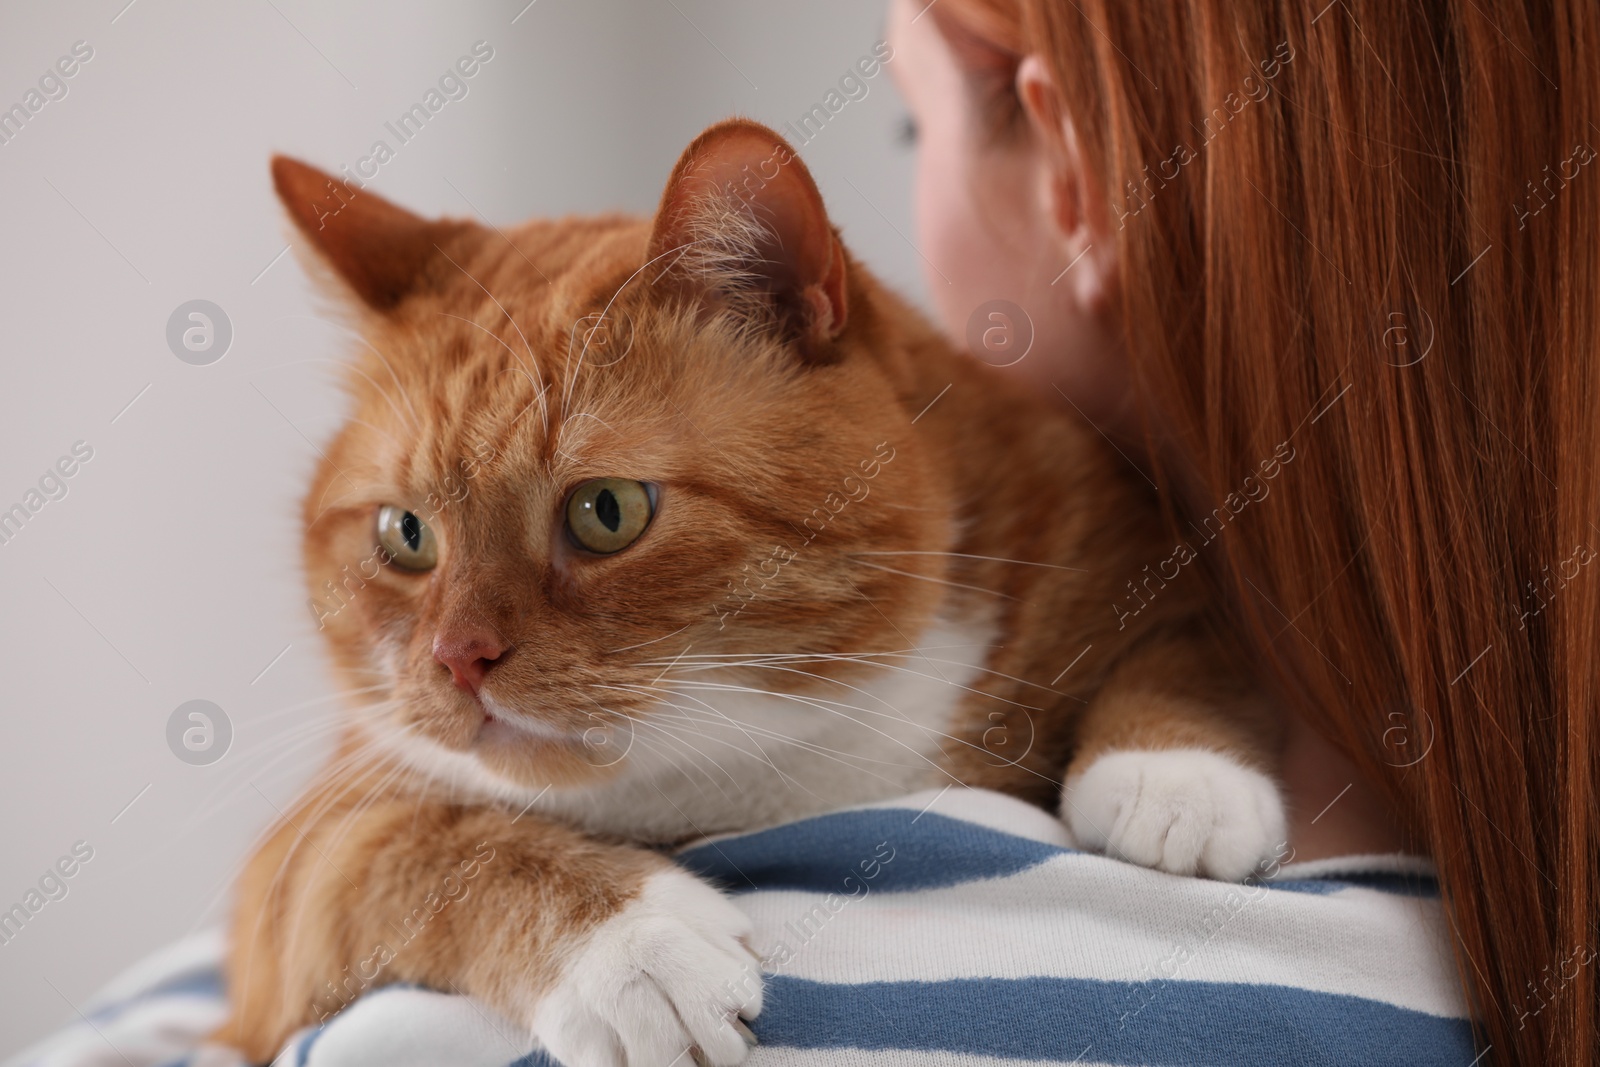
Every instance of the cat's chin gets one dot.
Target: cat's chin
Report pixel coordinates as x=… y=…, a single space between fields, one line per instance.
x=523 y=753
x=502 y=729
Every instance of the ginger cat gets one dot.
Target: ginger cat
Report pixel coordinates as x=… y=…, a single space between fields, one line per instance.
x=647 y=529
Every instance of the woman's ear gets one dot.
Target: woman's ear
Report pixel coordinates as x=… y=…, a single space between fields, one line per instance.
x=1074 y=199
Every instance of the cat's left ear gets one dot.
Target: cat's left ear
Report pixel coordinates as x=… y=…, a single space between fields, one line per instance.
x=742 y=221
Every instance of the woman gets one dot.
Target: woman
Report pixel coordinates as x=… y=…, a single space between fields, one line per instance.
x=1366 y=228
x=1369 y=233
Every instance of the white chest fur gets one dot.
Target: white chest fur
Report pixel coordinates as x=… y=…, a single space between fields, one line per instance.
x=716 y=756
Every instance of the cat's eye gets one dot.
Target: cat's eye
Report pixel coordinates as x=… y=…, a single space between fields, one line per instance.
x=407 y=539
x=607 y=515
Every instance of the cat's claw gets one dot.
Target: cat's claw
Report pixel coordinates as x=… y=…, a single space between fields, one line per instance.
x=1186 y=811
x=664 y=981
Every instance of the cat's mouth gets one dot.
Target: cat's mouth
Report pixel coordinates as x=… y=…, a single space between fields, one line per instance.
x=505 y=726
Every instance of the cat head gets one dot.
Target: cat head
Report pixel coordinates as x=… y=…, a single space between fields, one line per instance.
x=590 y=461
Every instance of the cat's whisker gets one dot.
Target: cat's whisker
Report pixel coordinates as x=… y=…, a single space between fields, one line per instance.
x=311 y=816
x=733 y=658
x=653 y=640
x=380 y=431
x=892 y=667
x=538 y=382
x=399 y=775
x=991 y=671
x=931 y=578
x=415 y=420
x=360 y=754
x=532 y=369
x=849 y=759
x=324 y=698
x=852 y=761
x=695 y=754
x=668 y=757
x=871 y=660
x=743 y=728
x=345 y=367
x=261 y=839
x=308 y=737
x=764 y=757
x=653 y=692
x=819 y=703
x=312 y=819
x=538 y=398
x=286 y=745
x=797 y=655
x=784 y=777
x=970 y=555
x=572 y=379
x=567 y=423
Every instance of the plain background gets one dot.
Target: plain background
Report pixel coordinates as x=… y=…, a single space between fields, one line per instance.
x=169 y=570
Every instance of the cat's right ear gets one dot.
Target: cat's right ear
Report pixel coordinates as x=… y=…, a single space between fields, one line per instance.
x=383 y=252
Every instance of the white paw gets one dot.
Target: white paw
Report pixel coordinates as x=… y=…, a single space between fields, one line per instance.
x=1187 y=811
x=669 y=972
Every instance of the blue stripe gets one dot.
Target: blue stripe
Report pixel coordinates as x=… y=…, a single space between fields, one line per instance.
x=205 y=983
x=834 y=853
x=302 y=1045
x=1400 y=883
x=837 y=853
x=1178 y=1024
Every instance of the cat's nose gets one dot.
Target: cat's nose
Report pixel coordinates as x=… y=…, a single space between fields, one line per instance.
x=469 y=652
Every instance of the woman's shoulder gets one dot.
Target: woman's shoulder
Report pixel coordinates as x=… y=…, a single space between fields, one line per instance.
x=964 y=922
x=957 y=927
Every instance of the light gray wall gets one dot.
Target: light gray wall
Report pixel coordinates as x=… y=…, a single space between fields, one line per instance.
x=168 y=571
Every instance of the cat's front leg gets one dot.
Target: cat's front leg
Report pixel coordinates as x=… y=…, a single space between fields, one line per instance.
x=1174 y=763
x=608 y=954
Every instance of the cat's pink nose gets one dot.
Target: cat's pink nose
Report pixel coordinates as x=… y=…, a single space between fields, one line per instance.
x=469 y=652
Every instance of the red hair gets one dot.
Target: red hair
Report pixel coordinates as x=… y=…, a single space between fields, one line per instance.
x=1369 y=228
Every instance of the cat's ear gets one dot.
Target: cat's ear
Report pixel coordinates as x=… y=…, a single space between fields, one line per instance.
x=382 y=251
x=742 y=221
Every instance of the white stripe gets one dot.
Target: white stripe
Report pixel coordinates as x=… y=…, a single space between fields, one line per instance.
x=193 y=953
x=834 y=1057
x=1081 y=916
x=415 y=1026
x=154 y=1032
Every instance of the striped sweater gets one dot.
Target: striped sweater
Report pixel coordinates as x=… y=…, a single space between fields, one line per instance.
x=954 y=928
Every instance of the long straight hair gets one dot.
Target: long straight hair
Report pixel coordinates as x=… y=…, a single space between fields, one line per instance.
x=1372 y=229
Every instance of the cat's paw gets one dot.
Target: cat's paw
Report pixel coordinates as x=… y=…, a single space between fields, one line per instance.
x=1187 y=811
x=672 y=971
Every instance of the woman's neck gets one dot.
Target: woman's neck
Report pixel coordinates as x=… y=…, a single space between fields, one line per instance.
x=1333 y=809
